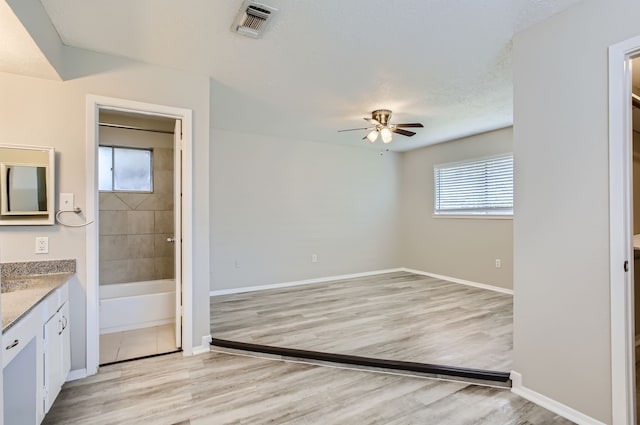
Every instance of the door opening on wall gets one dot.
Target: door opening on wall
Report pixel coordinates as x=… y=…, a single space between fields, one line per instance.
x=183 y=224
x=623 y=225
x=139 y=237
x=635 y=211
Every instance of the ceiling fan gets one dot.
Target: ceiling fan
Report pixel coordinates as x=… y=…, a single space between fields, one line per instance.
x=382 y=127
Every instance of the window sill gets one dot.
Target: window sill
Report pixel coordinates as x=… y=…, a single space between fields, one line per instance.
x=475 y=216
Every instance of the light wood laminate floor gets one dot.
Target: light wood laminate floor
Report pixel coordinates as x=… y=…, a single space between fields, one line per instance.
x=218 y=388
x=396 y=316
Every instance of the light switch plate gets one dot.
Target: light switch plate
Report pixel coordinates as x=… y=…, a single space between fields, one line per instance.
x=66 y=202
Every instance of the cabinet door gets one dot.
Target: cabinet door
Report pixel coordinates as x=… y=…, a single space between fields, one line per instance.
x=66 y=342
x=53 y=330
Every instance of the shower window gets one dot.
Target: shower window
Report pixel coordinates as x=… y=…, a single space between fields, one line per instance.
x=125 y=169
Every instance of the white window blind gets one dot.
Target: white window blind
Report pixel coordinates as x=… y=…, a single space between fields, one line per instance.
x=479 y=186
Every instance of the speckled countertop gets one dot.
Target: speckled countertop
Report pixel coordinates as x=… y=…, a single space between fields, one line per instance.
x=25 y=284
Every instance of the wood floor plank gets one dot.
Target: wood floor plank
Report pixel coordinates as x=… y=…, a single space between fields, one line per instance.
x=218 y=388
x=396 y=316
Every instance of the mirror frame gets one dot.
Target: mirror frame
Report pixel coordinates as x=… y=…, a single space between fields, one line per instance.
x=48 y=217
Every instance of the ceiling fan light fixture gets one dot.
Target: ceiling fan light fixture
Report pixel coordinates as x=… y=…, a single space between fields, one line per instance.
x=386 y=135
x=380 y=126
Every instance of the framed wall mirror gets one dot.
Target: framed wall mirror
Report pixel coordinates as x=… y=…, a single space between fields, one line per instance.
x=27 y=181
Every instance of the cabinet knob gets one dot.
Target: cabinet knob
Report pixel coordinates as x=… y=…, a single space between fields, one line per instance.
x=13 y=344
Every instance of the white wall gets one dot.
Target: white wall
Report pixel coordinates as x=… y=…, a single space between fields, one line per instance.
x=276 y=202
x=52 y=113
x=465 y=248
x=561 y=237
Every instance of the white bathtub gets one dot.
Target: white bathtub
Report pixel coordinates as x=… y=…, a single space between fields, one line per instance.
x=127 y=306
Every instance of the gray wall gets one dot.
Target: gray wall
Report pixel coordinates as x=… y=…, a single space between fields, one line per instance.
x=276 y=202
x=465 y=248
x=561 y=226
x=53 y=113
x=134 y=227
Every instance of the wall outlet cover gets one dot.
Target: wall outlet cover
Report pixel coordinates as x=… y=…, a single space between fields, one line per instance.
x=42 y=245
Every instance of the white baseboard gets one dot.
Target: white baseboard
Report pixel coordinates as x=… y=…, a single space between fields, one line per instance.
x=299 y=282
x=204 y=348
x=76 y=374
x=461 y=281
x=550 y=404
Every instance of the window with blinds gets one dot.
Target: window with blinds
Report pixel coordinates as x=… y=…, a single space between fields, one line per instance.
x=482 y=186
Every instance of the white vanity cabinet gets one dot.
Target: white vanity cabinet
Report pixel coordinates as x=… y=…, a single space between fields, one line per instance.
x=20 y=334
x=21 y=369
x=57 y=359
x=36 y=359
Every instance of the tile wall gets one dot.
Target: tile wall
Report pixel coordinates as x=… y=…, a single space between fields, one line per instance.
x=134 y=228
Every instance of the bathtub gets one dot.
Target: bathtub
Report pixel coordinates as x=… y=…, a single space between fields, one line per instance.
x=127 y=306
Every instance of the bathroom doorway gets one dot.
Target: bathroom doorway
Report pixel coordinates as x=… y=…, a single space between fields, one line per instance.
x=137 y=235
x=622 y=84
x=183 y=157
x=635 y=222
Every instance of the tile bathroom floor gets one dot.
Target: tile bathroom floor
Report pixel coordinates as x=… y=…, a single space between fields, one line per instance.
x=118 y=346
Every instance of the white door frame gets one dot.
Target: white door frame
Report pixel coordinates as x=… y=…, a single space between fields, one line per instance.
x=177 y=227
x=94 y=104
x=620 y=232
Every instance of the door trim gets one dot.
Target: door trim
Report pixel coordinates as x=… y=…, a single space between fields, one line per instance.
x=620 y=232
x=93 y=105
x=177 y=227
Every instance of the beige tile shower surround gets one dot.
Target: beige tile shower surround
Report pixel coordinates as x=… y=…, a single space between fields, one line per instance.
x=134 y=228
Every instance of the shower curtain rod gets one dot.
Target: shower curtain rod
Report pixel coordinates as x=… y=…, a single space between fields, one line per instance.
x=128 y=127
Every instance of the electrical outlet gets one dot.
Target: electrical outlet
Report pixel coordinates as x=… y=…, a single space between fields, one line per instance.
x=498 y=263
x=314 y=258
x=42 y=245
x=66 y=202
x=236 y=264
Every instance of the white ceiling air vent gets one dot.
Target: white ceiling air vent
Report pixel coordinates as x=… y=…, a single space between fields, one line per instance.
x=252 y=18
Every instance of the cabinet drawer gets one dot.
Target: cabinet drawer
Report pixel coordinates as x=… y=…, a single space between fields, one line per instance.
x=19 y=335
x=52 y=303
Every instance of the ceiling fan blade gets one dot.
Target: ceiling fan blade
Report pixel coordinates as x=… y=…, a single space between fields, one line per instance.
x=413 y=124
x=354 y=129
x=372 y=121
x=403 y=132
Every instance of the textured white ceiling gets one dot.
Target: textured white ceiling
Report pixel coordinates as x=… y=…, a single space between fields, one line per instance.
x=323 y=65
x=19 y=54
